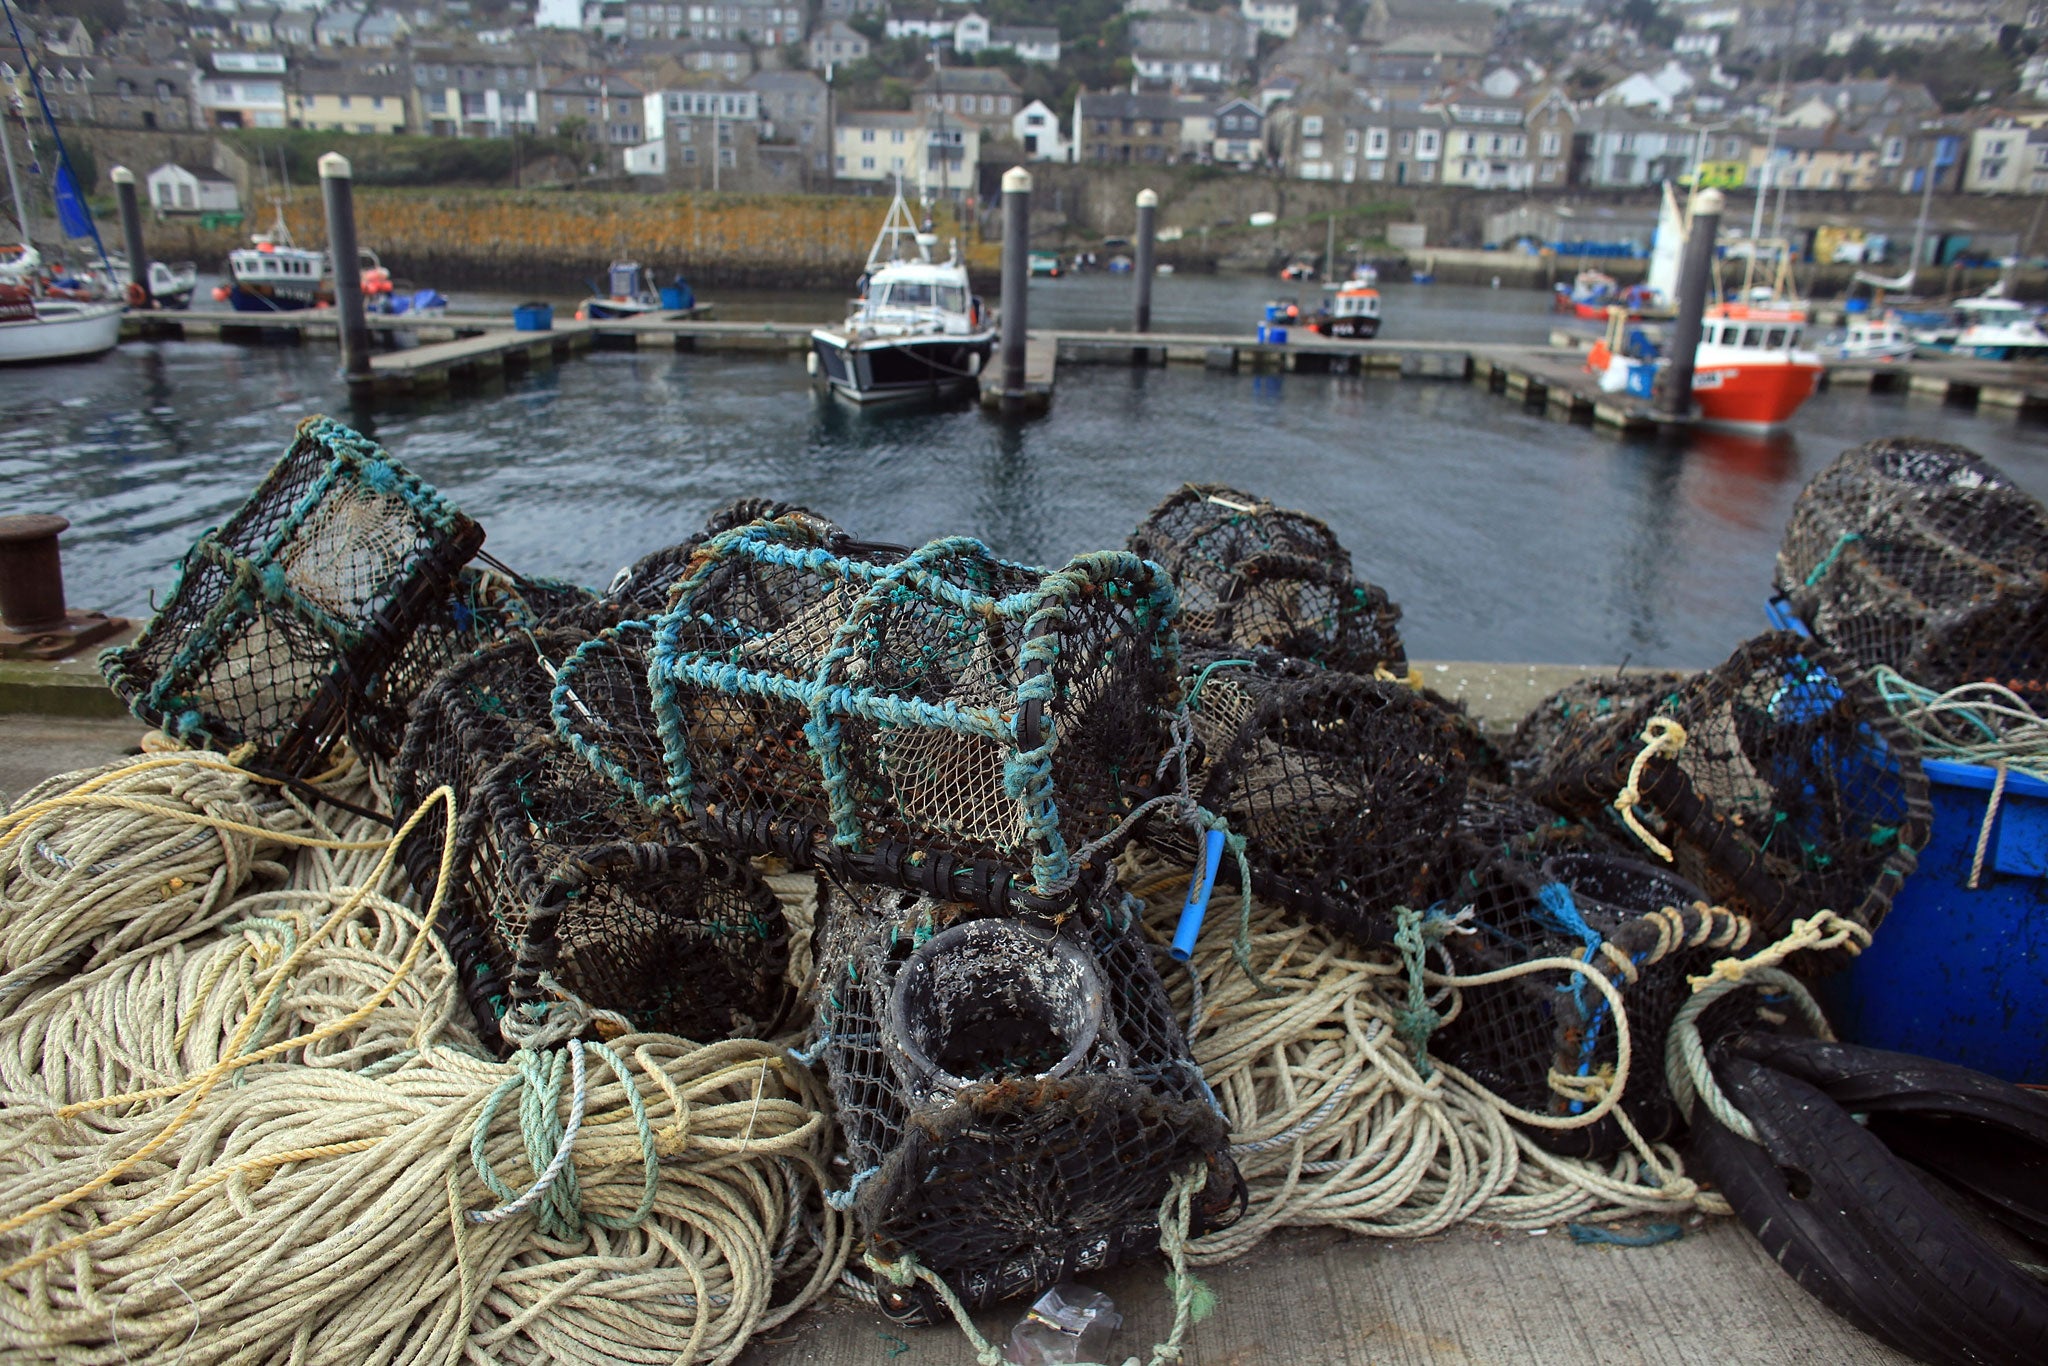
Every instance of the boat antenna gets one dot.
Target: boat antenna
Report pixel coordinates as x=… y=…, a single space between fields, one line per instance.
x=64 y=171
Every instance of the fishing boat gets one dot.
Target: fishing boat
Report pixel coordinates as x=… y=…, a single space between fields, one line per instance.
x=1588 y=296
x=1350 y=310
x=171 y=286
x=1881 y=340
x=1297 y=271
x=1427 y=275
x=273 y=274
x=1751 y=371
x=1046 y=263
x=917 y=330
x=628 y=292
x=1990 y=319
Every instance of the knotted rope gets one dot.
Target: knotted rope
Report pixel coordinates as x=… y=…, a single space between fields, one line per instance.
x=1663 y=738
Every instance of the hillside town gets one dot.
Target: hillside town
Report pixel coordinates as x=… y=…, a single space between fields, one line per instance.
x=837 y=95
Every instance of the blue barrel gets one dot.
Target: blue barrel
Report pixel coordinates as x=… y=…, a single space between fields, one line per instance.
x=1276 y=335
x=1856 y=306
x=1274 y=313
x=533 y=318
x=1956 y=973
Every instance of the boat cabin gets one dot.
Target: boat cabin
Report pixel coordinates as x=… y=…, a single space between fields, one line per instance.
x=1353 y=301
x=918 y=296
x=1753 y=329
x=268 y=263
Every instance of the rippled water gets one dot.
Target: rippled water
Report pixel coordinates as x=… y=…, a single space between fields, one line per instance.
x=1503 y=535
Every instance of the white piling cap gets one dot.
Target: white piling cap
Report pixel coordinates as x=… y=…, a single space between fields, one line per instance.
x=121 y=175
x=1148 y=199
x=1708 y=201
x=334 y=166
x=1016 y=180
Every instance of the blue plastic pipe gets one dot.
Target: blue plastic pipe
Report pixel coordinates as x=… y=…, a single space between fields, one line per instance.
x=1190 y=927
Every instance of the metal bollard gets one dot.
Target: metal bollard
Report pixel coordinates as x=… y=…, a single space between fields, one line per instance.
x=337 y=192
x=131 y=233
x=1016 y=280
x=33 y=622
x=1695 y=273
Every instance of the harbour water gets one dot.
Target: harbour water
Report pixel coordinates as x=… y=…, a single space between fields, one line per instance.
x=1504 y=536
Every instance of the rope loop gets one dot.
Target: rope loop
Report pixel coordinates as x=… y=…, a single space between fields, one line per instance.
x=1663 y=738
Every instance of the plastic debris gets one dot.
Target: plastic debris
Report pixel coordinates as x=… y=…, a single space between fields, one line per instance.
x=1068 y=1323
x=1651 y=1236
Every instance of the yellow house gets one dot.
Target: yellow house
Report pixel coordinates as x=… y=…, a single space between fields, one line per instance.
x=345 y=101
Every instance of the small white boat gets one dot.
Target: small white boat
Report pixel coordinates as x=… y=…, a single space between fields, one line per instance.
x=55 y=329
x=275 y=275
x=2019 y=338
x=1992 y=308
x=917 y=331
x=170 y=285
x=1882 y=340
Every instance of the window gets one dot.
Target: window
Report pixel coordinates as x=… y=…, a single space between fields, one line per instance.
x=689 y=156
x=1351 y=139
x=376 y=101
x=1312 y=149
x=727 y=157
x=1752 y=336
x=1312 y=126
x=1428 y=147
x=1407 y=142
x=1376 y=142
x=344 y=101
x=896 y=135
x=1775 y=338
x=867 y=135
x=1993 y=170
x=1376 y=170
x=1995 y=147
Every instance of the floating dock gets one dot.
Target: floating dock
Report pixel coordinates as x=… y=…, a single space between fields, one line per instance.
x=456 y=348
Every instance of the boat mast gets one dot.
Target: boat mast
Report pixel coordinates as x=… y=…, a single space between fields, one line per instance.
x=1330 y=248
x=14 y=181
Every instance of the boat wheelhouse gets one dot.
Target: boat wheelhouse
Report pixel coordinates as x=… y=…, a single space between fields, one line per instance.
x=1350 y=310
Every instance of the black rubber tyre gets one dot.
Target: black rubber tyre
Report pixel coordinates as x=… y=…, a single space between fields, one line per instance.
x=2006 y=1177
x=1874 y=1081
x=1853 y=1224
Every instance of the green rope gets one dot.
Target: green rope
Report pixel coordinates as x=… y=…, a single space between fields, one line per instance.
x=1975 y=723
x=1828 y=560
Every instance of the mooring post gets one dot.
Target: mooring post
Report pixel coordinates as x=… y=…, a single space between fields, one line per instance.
x=131 y=231
x=1148 y=219
x=1694 y=274
x=1016 y=278
x=337 y=192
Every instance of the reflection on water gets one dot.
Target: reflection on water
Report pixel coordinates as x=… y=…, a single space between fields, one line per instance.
x=1503 y=535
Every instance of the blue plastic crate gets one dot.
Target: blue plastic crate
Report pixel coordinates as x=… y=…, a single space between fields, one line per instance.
x=533 y=318
x=1955 y=972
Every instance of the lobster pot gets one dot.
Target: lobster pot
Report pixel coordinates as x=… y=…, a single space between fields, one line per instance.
x=1922 y=556
x=1576 y=706
x=285 y=624
x=1642 y=928
x=945 y=721
x=1794 y=790
x=1345 y=789
x=1015 y=1100
x=1254 y=576
x=480 y=609
x=559 y=884
x=642 y=589
x=603 y=709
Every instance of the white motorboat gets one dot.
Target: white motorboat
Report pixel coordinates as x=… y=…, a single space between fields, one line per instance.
x=1991 y=309
x=1882 y=340
x=2004 y=338
x=54 y=329
x=917 y=330
x=273 y=274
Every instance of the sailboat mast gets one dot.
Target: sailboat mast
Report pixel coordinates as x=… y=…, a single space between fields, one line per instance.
x=1926 y=198
x=1756 y=219
x=1330 y=248
x=13 y=181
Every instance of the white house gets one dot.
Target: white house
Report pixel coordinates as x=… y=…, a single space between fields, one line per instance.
x=1029 y=42
x=970 y=33
x=915 y=26
x=242 y=90
x=178 y=189
x=1278 y=17
x=559 y=14
x=1037 y=130
x=1658 y=90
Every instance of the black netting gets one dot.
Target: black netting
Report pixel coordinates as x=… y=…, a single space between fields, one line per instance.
x=1014 y=1100
x=1642 y=928
x=1254 y=576
x=558 y=878
x=1794 y=790
x=642 y=590
x=1345 y=788
x=1922 y=556
x=289 y=626
x=946 y=721
x=1572 y=708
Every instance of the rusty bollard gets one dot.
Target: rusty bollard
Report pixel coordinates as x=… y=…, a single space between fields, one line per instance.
x=33 y=622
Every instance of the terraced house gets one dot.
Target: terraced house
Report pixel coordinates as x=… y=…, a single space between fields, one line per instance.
x=460 y=92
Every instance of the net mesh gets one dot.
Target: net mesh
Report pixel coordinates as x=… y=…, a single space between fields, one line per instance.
x=1014 y=1100
x=1922 y=556
x=1794 y=790
x=1642 y=928
x=945 y=721
x=563 y=884
x=1344 y=788
x=289 y=626
x=643 y=589
x=1253 y=576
